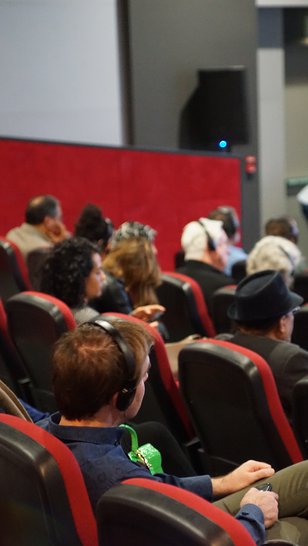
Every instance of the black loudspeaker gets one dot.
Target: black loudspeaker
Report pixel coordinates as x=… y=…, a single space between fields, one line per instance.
x=215 y=116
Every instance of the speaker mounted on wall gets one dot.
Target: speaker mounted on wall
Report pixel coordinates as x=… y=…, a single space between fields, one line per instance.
x=215 y=116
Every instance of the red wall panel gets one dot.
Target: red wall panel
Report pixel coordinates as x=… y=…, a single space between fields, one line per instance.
x=165 y=190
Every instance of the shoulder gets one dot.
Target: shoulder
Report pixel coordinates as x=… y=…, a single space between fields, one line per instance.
x=84 y=314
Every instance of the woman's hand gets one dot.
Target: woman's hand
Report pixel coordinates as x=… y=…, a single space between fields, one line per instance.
x=148 y=313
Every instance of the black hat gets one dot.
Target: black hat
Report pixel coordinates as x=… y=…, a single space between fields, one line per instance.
x=262 y=296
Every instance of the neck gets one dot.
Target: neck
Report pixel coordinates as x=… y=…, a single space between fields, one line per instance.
x=271 y=334
x=103 y=418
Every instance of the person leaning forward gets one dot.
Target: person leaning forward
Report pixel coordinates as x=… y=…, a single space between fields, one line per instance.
x=99 y=375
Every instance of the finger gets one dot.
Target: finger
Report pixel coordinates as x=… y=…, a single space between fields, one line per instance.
x=258 y=464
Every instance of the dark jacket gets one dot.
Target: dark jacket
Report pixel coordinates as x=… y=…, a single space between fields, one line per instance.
x=208 y=277
x=288 y=362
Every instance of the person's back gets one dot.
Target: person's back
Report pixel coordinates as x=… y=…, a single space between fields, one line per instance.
x=43 y=225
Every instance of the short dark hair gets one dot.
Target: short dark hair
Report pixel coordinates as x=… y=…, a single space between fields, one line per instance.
x=89 y=368
x=66 y=269
x=92 y=225
x=228 y=217
x=39 y=207
x=284 y=226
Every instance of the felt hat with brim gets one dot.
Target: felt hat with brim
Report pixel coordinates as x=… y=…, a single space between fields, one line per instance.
x=263 y=296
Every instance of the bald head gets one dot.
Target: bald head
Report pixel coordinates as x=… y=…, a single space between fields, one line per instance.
x=41 y=206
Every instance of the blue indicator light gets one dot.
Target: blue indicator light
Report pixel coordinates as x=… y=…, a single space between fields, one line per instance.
x=222 y=144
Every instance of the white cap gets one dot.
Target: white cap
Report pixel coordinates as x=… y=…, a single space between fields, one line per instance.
x=194 y=239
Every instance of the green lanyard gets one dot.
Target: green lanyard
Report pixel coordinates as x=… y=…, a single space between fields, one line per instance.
x=147 y=455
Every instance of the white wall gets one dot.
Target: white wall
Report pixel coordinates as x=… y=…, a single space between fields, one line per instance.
x=271 y=111
x=60 y=70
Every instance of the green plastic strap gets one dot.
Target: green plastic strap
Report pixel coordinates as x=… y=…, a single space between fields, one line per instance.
x=134 y=437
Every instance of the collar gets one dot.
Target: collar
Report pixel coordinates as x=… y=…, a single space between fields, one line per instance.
x=94 y=435
x=198 y=264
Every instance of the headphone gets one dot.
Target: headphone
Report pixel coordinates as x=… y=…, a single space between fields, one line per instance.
x=228 y=216
x=210 y=241
x=128 y=389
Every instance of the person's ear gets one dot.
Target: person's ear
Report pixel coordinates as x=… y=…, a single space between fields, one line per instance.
x=281 y=327
x=114 y=400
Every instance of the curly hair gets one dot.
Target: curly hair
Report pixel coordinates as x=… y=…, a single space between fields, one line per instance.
x=134 y=261
x=65 y=271
x=92 y=225
x=274 y=252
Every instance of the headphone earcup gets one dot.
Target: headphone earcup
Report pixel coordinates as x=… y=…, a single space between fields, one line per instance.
x=125 y=398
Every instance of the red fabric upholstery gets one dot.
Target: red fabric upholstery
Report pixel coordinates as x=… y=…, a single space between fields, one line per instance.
x=166 y=374
x=74 y=484
x=275 y=407
x=238 y=534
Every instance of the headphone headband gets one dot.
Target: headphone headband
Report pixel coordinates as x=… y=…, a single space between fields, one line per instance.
x=128 y=389
x=210 y=241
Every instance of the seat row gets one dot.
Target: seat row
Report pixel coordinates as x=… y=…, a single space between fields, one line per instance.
x=226 y=392
x=43 y=486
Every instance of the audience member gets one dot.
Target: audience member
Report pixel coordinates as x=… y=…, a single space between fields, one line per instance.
x=99 y=375
x=206 y=252
x=132 y=273
x=92 y=225
x=73 y=273
x=283 y=226
x=263 y=310
x=274 y=252
x=43 y=225
x=231 y=225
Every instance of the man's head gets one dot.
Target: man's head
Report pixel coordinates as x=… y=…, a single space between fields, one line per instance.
x=284 y=226
x=205 y=240
x=264 y=305
x=229 y=218
x=90 y=370
x=40 y=207
x=44 y=212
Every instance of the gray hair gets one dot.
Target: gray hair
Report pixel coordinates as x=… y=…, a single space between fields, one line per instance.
x=274 y=252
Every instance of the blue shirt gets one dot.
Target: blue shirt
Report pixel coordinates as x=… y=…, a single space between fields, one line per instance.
x=236 y=254
x=104 y=464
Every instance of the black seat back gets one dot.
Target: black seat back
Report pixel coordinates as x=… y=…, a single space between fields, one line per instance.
x=35 y=322
x=234 y=404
